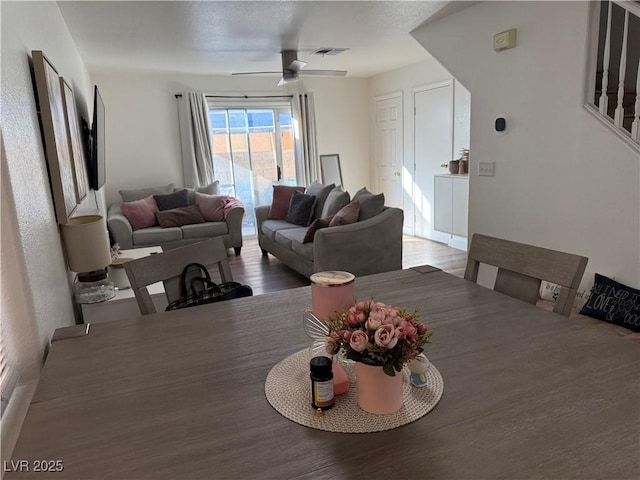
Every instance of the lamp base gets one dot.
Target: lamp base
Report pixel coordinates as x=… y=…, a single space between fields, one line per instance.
x=93 y=287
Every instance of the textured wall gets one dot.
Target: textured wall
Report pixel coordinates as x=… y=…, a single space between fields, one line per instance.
x=562 y=180
x=36 y=296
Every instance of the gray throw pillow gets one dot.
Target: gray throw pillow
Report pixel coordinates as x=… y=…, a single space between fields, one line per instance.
x=336 y=199
x=140 y=193
x=370 y=204
x=321 y=192
x=173 y=200
x=301 y=209
x=211 y=189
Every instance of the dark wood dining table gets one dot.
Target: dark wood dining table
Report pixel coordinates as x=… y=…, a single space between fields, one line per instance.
x=527 y=394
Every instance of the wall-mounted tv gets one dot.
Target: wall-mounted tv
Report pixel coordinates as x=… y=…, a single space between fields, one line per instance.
x=97 y=168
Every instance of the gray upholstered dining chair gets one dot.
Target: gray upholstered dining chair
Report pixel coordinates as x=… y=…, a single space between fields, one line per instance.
x=167 y=267
x=522 y=267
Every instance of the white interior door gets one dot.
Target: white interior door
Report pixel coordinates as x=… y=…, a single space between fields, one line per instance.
x=433 y=145
x=389 y=151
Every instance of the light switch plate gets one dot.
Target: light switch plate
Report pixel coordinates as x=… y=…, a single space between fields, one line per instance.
x=504 y=40
x=485 y=169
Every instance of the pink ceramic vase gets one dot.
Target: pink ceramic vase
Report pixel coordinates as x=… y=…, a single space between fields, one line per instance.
x=378 y=392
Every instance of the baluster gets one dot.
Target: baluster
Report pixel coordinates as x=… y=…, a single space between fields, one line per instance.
x=619 y=114
x=635 y=126
x=603 y=105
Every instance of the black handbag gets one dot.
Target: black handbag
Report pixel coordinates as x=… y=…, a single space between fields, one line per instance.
x=203 y=290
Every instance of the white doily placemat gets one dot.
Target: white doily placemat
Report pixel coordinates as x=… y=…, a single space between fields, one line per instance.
x=288 y=390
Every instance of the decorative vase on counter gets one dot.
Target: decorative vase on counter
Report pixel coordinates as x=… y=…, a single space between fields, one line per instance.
x=378 y=392
x=454 y=166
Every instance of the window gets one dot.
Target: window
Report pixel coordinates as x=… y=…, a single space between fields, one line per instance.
x=253 y=149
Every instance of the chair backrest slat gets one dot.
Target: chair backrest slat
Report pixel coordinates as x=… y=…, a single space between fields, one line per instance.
x=522 y=267
x=167 y=268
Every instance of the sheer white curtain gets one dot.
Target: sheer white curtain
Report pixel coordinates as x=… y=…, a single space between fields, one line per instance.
x=195 y=137
x=304 y=125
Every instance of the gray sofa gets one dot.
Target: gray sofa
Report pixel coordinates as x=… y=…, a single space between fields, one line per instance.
x=122 y=233
x=368 y=246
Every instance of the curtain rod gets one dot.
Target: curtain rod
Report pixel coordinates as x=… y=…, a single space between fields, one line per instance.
x=179 y=95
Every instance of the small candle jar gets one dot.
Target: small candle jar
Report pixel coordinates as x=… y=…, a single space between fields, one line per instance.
x=331 y=292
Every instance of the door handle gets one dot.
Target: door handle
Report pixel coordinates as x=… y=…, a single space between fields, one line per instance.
x=279 y=172
x=397 y=174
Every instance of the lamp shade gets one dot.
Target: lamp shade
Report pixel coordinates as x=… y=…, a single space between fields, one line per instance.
x=87 y=243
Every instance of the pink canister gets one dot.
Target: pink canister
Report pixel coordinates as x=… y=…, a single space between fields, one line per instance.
x=331 y=292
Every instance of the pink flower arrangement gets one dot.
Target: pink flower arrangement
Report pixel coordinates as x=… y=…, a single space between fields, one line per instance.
x=377 y=334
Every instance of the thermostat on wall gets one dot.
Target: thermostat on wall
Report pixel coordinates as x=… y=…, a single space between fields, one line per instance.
x=504 y=40
x=501 y=124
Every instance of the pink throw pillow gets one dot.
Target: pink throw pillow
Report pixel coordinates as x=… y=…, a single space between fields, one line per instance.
x=211 y=206
x=281 y=197
x=140 y=213
x=346 y=215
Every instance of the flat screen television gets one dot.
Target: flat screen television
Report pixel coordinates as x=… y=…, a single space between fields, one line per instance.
x=97 y=168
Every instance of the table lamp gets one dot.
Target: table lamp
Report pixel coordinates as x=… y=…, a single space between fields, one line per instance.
x=88 y=254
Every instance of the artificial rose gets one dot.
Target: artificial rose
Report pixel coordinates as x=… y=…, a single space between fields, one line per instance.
x=385 y=336
x=345 y=335
x=406 y=329
x=358 y=340
x=422 y=328
x=373 y=322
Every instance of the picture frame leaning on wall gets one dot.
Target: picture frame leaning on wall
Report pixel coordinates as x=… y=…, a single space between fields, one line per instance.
x=55 y=135
x=75 y=141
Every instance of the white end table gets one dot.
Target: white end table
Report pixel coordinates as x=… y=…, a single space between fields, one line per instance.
x=124 y=304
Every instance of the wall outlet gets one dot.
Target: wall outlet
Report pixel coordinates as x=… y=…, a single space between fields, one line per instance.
x=485 y=169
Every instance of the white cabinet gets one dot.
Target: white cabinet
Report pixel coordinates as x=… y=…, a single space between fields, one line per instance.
x=451 y=204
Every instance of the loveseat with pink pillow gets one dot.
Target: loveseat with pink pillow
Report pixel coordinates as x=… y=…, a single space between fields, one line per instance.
x=169 y=216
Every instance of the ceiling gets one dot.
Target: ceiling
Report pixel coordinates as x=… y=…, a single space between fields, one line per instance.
x=221 y=37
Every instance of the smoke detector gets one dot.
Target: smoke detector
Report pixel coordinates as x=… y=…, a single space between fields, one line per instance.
x=329 y=51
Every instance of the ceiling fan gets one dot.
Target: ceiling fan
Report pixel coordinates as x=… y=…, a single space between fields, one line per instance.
x=292 y=68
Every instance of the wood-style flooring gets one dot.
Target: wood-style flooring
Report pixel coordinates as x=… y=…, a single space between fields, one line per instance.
x=268 y=274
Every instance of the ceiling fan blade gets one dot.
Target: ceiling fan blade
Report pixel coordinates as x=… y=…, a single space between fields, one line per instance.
x=253 y=73
x=296 y=66
x=326 y=73
x=287 y=79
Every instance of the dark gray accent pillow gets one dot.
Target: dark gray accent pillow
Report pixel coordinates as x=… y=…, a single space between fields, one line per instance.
x=301 y=209
x=370 y=204
x=613 y=302
x=173 y=200
x=140 y=193
x=176 y=217
x=321 y=193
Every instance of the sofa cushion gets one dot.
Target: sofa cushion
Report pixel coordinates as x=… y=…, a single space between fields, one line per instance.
x=370 y=204
x=211 y=189
x=613 y=302
x=347 y=214
x=316 y=225
x=176 y=217
x=156 y=236
x=336 y=199
x=270 y=227
x=211 y=206
x=321 y=192
x=140 y=213
x=305 y=250
x=205 y=230
x=287 y=236
x=281 y=197
x=140 y=193
x=301 y=208
x=170 y=201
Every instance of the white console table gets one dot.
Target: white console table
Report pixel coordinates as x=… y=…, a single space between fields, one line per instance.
x=124 y=304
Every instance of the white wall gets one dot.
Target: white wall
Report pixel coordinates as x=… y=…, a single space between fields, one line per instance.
x=405 y=80
x=36 y=296
x=143 y=143
x=562 y=180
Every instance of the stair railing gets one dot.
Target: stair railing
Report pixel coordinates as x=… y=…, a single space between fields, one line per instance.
x=613 y=85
